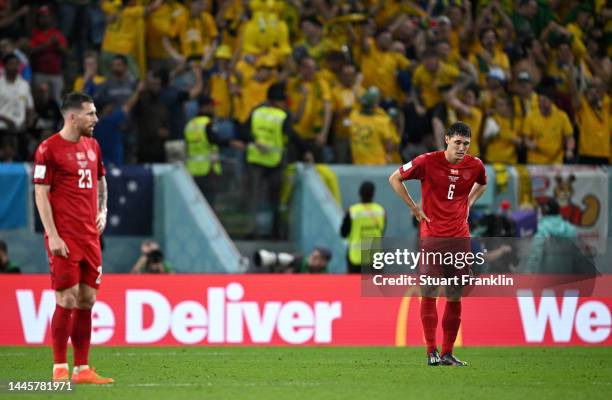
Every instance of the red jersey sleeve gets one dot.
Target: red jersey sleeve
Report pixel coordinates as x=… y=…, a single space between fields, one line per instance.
x=482 y=174
x=43 y=166
x=414 y=169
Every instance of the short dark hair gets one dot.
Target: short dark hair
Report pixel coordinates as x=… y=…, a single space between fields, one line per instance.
x=484 y=31
x=8 y=57
x=121 y=57
x=155 y=256
x=3 y=247
x=74 y=101
x=277 y=92
x=324 y=251
x=550 y=207
x=459 y=129
x=366 y=191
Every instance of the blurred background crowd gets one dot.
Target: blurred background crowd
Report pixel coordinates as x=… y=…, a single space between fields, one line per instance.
x=366 y=82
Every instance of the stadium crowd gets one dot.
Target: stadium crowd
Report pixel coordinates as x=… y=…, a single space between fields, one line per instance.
x=366 y=81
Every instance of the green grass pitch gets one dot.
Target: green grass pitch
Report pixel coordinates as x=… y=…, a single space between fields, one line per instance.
x=315 y=373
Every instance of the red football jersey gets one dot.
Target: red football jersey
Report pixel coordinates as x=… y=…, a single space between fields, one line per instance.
x=445 y=188
x=72 y=170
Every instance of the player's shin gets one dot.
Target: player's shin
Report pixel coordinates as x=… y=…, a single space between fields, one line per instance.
x=450 y=325
x=81 y=336
x=60 y=331
x=429 y=319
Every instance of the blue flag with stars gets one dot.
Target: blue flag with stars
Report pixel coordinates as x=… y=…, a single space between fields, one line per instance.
x=130 y=200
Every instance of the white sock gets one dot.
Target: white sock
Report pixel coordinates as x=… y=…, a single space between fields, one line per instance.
x=56 y=366
x=79 y=368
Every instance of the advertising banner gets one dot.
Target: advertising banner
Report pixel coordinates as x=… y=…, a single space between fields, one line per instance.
x=582 y=194
x=178 y=310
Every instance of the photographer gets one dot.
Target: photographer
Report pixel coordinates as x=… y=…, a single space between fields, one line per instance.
x=315 y=263
x=151 y=261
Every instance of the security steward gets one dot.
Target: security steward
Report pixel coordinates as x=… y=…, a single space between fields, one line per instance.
x=365 y=219
x=267 y=132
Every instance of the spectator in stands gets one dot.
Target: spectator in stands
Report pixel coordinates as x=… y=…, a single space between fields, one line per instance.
x=345 y=96
x=90 y=80
x=219 y=80
x=490 y=56
x=502 y=133
x=109 y=130
x=252 y=92
x=6 y=265
x=118 y=87
x=124 y=35
x=429 y=77
x=7 y=46
x=494 y=87
x=551 y=225
x=16 y=107
x=332 y=68
x=265 y=32
x=151 y=260
x=47 y=48
x=174 y=98
x=152 y=122
x=311 y=107
x=526 y=99
x=463 y=106
x=195 y=33
x=380 y=67
x=163 y=26
x=74 y=24
x=11 y=26
x=593 y=117
x=548 y=131
x=567 y=74
x=312 y=37
x=47 y=113
x=370 y=131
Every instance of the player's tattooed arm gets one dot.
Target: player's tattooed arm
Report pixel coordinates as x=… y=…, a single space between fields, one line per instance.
x=102 y=201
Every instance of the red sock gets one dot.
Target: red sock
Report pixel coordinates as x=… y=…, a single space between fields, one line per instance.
x=450 y=325
x=81 y=336
x=429 y=318
x=60 y=331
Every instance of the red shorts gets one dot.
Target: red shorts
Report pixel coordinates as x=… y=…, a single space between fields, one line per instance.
x=83 y=265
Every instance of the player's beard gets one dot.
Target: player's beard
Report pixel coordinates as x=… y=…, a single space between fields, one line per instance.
x=86 y=130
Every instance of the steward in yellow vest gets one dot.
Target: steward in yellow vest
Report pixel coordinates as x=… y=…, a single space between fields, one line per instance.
x=202 y=150
x=362 y=220
x=268 y=130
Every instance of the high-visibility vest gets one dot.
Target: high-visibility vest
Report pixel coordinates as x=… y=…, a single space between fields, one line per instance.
x=200 y=153
x=267 y=130
x=367 y=221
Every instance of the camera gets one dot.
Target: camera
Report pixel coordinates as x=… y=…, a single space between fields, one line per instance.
x=275 y=262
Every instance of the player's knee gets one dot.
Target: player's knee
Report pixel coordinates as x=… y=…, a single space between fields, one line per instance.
x=86 y=302
x=67 y=301
x=67 y=298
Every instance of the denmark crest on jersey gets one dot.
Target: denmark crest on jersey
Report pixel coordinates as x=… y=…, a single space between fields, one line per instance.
x=91 y=155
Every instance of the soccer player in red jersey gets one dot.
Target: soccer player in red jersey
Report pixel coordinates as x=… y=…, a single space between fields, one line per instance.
x=451 y=182
x=70 y=191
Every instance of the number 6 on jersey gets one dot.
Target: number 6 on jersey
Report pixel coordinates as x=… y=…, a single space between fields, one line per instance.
x=451 y=191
